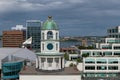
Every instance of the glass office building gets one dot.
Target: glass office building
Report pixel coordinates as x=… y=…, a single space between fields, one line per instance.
x=11 y=70
x=34 y=30
x=13 y=60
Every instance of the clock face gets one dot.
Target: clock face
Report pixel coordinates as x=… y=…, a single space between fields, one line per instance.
x=50 y=46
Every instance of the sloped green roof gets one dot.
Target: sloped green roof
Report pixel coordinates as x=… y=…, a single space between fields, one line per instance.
x=49 y=25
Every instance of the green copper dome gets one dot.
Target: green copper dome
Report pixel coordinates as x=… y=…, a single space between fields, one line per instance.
x=49 y=24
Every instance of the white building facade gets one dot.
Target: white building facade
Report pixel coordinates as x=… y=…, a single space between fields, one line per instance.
x=101 y=66
x=104 y=61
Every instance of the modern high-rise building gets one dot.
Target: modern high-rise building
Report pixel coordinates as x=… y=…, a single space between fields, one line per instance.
x=114 y=32
x=104 y=61
x=33 y=30
x=13 y=38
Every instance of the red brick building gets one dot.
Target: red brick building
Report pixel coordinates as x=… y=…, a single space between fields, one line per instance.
x=13 y=38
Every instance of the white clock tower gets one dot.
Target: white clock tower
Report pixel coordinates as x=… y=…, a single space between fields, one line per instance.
x=50 y=59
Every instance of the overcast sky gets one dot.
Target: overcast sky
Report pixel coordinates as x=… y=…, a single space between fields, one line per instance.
x=74 y=17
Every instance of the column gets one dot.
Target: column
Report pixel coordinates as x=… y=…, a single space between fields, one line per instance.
x=37 y=62
x=45 y=63
x=59 y=62
x=70 y=57
x=107 y=65
x=91 y=53
x=112 y=53
x=63 y=62
x=95 y=65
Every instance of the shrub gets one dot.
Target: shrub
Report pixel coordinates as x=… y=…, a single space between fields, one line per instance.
x=79 y=60
x=85 y=55
x=66 y=56
x=71 y=65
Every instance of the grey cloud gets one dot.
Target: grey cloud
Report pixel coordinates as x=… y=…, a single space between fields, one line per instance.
x=75 y=17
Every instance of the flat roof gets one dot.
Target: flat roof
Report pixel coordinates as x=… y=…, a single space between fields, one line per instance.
x=18 y=52
x=30 y=70
x=50 y=54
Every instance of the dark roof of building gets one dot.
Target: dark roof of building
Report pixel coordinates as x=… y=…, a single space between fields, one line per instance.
x=30 y=70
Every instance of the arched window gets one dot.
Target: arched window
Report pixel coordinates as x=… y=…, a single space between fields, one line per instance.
x=49 y=35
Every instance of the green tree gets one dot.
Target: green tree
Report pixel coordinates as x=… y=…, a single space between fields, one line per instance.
x=85 y=55
x=66 y=56
x=90 y=47
x=79 y=60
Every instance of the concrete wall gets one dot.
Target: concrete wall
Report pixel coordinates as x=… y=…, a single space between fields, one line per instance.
x=80 y=66
x=50 y=77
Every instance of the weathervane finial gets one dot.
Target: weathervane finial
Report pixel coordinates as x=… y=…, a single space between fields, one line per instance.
x=49 y=17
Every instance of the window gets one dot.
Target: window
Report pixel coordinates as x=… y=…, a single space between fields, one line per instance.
x=49 y=35
x=56 y=46
x=107 y=53
x=110 y=31
x=42 y=36
x=42 y=46
x=113 y=67
x=56 y=36
x=106 y=47
x=89 y=61
x=112 y=61
x=89 y=67
x=97 y=53
x=49 y=60
x=101 y=74
x=116 y=53
x=116 y=47
x=101 y=61
x=42 y=61
x=57 y=62
x=101 y=67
